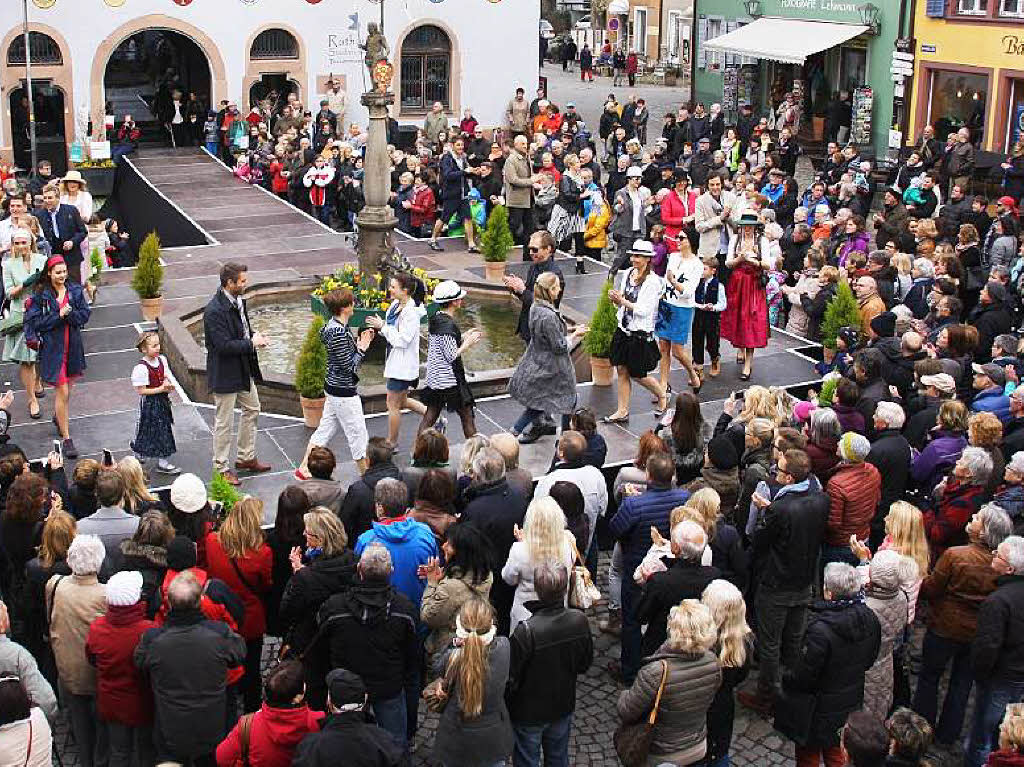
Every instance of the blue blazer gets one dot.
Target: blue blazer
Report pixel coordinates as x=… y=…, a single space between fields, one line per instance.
x=43 y=316
x=71 y=228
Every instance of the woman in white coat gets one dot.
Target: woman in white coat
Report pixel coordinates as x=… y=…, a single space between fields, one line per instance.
x=401 y=329
x=25 y=737
x=634 y=352
x=675 y=314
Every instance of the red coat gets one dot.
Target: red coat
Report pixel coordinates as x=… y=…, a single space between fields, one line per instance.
x=278 y=183
x=631 y=64
x=673 y=211
x=273 y=736
x=424 y=207
x=122 y=691
x=256 y=570
x=854 y=492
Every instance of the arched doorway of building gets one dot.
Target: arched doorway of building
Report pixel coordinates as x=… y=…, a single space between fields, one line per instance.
x=142 y=75
x=51 y=143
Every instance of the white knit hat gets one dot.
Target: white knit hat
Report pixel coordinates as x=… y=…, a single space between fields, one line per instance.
x=853 y=447
x=124 y=588
x=188 y=493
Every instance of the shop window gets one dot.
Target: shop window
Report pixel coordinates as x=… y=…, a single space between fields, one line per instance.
x=972 y=7
x=426 y=68
x=274 y=44
x=44 y=50
x=1013 y=8
x=958 y=100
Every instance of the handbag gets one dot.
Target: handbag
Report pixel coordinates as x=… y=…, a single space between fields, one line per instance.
x=633 y=741
x=582 y=591
x=436 y=694
x=13 y=323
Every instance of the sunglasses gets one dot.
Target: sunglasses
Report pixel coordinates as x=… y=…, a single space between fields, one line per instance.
x=532 y=249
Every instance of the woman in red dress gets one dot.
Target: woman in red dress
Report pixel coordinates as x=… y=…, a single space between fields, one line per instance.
x=745 y=319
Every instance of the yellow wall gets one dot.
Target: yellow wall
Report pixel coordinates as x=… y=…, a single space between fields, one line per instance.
x=982 y=44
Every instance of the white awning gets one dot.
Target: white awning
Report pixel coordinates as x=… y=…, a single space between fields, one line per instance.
x=787 y=40
x=618 y=7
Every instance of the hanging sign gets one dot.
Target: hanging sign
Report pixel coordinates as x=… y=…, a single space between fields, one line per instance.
x=182 y=3
x=613 y=24
x=44 y=4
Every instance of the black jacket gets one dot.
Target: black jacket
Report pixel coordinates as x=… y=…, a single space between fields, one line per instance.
x=187 y=661
x=1013 y=437
x=231 y=362
x=790 y=538
x=307 y=590
x=347 y=739
x=549 y=650
x=684 y=579
x=924 y=414
x=371 y=631
x=917 y=297
x=998 y=647
x=728 y=554
x=990 y=320
x=890 y=454
x=358 y=510
x=70 y=227
x=815 y=309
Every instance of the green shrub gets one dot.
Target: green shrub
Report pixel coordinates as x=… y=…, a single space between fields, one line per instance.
x=311 y=366
x=497 y=237
x=221 y=490
x=842 y=311
x=828 y=391
x=149 y=272
x=97 y=262
x=598 y=341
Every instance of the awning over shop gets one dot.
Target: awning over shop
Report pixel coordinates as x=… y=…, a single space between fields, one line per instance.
x=618 y=7
x=787 y=40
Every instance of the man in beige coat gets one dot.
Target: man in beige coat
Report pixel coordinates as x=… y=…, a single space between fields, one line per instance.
x=519 y=180
x=712 y=216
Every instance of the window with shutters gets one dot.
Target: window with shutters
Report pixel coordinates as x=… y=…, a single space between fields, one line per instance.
x=716 y=28
x=44 y=50
x=1012 y=8
x=426 y=63
x=935 y=9
x=972 y=7
x=274 y=44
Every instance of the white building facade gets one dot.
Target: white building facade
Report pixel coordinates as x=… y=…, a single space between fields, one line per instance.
x=88 y=53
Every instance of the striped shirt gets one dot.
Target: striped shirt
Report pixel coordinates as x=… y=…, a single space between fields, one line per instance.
x=343 y=359
x=441 y=353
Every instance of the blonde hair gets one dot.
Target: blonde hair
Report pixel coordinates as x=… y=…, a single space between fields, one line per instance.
x=135 y=490
x=691 y=629
x=904 y=525
x=952 y=416
x=902 y=263
x=325 y=525
x=729 y=612
x=544 y=531
x=761 y=428
x=758 y=402
x=1011 y=730
x=544 y=287
x=685 y=514
x=707 y=502
x=470 y=448
x=468 y=663
x=58 y=532
x=241 y=532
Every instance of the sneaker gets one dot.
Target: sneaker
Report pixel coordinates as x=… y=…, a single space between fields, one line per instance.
x=165 y=467
x=68 y=448
x=612 y=624
x=442 y=424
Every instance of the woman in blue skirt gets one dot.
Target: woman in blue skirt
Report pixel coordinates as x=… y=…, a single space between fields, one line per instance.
x=675 y=313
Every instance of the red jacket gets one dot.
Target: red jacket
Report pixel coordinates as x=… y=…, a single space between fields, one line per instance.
x=273 y=736
x=957 y=504
x=278 y=183
x=255 y=570
x=673 y=211
x=632 y=64
x=122 y=691
x=424 y=207
x=854 y=492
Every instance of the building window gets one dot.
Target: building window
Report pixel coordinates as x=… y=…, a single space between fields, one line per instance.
x=426 y=68
x=716 y=28
x=44 y=50
x=957 y=100
x=1014 y=8
x=274 y=44
x=675 y=28
x=972 y=7
x=640 y=31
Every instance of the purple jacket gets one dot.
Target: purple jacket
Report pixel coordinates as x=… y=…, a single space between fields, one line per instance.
x=850 y=418
x=938 y=457
x=859 y=241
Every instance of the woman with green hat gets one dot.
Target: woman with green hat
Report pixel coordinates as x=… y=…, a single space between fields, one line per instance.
x=745 y=319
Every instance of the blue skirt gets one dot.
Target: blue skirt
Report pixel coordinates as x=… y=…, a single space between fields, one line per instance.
x=154 y=437
x=673 y=323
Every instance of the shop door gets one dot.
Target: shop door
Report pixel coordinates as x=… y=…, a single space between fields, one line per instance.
x=1015 y=120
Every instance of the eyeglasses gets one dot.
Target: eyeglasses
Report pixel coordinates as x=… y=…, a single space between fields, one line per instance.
x=533 y=249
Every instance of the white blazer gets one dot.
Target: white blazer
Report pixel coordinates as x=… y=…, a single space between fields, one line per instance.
x=645 y=310
x=689 y=273
x=403 y=338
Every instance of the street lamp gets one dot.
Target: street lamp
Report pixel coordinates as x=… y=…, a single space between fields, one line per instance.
x=28 y=89
x=869 y=13
x=753 y=8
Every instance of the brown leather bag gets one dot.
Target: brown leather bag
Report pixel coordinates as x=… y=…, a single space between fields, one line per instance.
x=633 y=741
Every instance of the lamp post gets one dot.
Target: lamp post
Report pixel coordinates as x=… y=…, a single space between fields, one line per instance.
x=28 y=89
x=869 y=17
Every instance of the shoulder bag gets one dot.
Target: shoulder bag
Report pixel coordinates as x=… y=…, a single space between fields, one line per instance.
x=633 y=741
x=244 y=731
x=582 y=591
x=436 y=694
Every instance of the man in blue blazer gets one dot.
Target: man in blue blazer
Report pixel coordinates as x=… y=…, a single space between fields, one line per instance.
x=64 y=229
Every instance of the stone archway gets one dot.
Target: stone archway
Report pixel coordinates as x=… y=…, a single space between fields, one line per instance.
x=218 y=72
x=454 y=76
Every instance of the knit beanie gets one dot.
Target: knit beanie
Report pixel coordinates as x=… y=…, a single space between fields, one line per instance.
x=181 y=553
x=722 y=453
x=802 y=411
x=884 y=324
x=188 y=493
x=124 y=588
x=853 y=447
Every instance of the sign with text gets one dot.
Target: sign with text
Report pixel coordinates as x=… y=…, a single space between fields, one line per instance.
x=342 y=47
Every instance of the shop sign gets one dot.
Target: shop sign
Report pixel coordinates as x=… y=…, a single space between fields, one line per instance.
x=827 y=6
x=1018 y=123
x=1013 y=45
x=927 y=48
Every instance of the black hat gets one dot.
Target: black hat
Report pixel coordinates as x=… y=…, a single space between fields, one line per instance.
x=850 y=336
x=345 y=687
x=884 y=324
x=181 y=553
x=722 y=453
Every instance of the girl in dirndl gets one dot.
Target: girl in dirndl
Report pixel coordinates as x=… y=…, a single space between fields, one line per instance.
x=154 y=437
x=634 y=352
x=745 y=319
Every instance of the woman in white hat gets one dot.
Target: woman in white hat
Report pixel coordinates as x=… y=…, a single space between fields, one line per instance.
x=634 y=352
x=73 y=192
x=446 y=385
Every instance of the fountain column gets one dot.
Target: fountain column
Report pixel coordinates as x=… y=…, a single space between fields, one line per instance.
x=376 y=221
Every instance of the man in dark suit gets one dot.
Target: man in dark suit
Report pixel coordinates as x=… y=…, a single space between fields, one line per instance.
x=64 y=229
x=233 y=370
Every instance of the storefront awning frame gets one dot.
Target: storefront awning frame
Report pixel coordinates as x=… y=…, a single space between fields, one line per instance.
x=790 y=41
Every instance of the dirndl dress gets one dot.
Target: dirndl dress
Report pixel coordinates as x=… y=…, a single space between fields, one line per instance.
x=745 y=319
x=154 y=437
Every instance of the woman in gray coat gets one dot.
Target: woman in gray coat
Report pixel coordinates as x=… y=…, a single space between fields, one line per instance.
x=474 y=729
x=1000 y=247
x=545 y=381
x=692 y=676
x=889 y=575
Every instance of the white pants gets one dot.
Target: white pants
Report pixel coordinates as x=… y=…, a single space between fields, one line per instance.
x=346 y=412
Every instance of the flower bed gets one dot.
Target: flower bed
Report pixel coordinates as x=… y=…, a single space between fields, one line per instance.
x=370 y=292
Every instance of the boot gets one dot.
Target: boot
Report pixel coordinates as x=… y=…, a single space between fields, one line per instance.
x=580 y=267
x=716 y=368
x=756 y=701
x=613 y=623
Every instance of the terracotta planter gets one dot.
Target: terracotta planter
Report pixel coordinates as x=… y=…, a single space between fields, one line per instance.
x=312 y=410
x=601 y=371
x=152 y=308
x=494 y=270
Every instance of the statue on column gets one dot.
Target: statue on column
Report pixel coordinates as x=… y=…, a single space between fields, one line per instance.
x=376 y=46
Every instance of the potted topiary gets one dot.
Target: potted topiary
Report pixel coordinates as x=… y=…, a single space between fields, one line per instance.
x=310 y=372
x=598 y=340
x=96 y=263
x=149 y=277
x=495 y=243
x=842 y=311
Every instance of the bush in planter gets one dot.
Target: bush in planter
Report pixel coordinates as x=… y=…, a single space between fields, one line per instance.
x=221 y=490
x=97 y=262
x=149 y=272
x=311 y=366
x=598 y=341
x=841 y=311
x=497 y=237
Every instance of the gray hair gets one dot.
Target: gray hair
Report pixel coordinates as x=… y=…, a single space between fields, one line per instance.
x=890 y=414
x=1016 y=463
x=85 y=555
x=1012 y=551
x=488 y=465
x=996 y=525
x=841 y=580
x=690 y=539
x=891 y=570
x=824 y=426
x=978 y=462
x=185 y=591
x=550 y=581
x=924 y=267
x=1007 y=344
x=375 y=563
x=999 y=271
x=801 y=228
x=392 y=496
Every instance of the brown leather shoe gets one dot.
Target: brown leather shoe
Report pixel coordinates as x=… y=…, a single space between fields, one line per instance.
x=716 y=368
x=252 y=465
x=231 y=478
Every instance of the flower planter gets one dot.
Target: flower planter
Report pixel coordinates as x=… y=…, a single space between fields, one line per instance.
x=494 y=270
x=100 y=180
x=152 y=308
x=360 y=314
x=312 y=410
x=601 y=371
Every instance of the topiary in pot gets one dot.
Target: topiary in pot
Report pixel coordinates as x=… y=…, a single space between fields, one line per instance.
x=495 y=242
x=97 y=262
x=598 y=340
x=310 y=372
x=221 y=490
x=841 y=311
x=149 y=277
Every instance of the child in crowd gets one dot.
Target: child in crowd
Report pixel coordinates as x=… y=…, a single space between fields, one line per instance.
x=707 y=318
x=661 y=246
x=154 y=437
x=423 y=211
x=211 y=133
x=343 y=408
x=316 y=180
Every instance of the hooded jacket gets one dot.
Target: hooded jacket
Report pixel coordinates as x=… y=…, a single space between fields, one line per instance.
x=411 y=544
x=123 y=694
x=151 y=561
x=273 y=736
x=347 y=739
x=442 y=602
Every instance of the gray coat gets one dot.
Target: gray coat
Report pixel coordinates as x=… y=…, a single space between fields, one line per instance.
x=622 y=223
x=891 y=610
x=517 y=175
x=545 y=379
x=487 y=739
x=15 y=660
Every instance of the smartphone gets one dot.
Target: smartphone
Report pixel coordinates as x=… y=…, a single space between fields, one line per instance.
x=108 y=457
x=737 y=395
x=58 y=448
